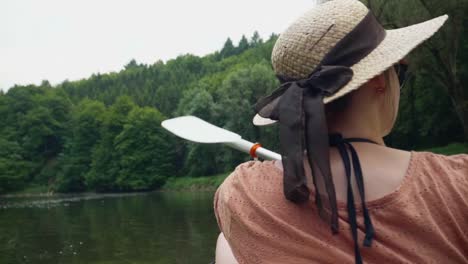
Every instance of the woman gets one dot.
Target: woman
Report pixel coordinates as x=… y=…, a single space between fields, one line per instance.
x=339 y=195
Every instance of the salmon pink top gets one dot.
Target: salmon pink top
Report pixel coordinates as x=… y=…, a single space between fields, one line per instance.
x=424 y=221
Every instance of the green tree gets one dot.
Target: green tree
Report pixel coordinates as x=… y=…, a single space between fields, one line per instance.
x=199 y=102
x=238 y=93
x=105 y=159
x=75 y=161
x=256 y=39
x=228 y=49
x=243 y=45
x=145 y=150
x=444 y=55
x=14 y=169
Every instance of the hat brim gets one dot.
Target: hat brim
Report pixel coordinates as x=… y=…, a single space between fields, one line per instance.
x=396 y=45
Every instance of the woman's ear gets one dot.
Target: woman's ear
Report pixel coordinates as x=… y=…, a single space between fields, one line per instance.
x=378 y=83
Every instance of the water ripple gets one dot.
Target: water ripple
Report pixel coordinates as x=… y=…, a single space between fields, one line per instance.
x=57 y=200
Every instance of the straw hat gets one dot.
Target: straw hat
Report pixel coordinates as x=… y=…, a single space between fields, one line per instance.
x=303 y=45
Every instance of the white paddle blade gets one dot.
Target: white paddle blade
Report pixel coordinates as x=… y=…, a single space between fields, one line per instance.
x=197 y=130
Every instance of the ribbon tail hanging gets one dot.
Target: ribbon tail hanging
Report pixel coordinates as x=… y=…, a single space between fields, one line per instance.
x=318 y=155
x=291 y=128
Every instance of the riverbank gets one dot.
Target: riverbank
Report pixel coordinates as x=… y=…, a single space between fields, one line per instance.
x=182 y=184
x=29 y=191
x=207 y=183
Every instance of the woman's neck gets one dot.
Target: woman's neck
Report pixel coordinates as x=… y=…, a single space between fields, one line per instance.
x=358 y=123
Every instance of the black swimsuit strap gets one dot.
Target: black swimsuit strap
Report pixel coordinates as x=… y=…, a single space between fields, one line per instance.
x=343 y=144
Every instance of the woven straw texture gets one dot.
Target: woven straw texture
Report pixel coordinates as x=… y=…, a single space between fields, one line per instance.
x=301 y=47
x=396 y=45
x=306 y=41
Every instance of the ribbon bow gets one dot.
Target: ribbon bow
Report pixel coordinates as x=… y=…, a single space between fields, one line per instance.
x=301 y=115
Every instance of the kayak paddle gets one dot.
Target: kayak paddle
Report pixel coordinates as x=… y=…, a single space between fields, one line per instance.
x=197 y=130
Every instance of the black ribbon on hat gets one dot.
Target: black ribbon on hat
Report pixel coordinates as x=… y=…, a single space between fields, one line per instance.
x=298 y=107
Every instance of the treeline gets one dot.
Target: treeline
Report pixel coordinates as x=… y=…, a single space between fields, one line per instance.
x=87 y=146
x=103 y=133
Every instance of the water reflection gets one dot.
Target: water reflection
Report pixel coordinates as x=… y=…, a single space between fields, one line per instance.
x=151 y=228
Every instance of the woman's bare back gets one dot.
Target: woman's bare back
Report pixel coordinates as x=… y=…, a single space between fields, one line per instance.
x=383 y=170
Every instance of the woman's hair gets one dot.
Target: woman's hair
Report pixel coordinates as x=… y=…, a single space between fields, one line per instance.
x=340 y=105
x=390 y=93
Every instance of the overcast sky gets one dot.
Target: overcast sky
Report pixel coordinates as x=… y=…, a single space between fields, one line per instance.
x=71 y=39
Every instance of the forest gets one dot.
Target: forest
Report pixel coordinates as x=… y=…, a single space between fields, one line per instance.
x=103 y=133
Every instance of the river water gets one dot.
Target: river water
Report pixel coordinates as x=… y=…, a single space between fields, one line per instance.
x=159 y=227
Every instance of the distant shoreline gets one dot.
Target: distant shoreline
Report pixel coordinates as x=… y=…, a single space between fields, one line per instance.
x=179 y=184
x=44 y=195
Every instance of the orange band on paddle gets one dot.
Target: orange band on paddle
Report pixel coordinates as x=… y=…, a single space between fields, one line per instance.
x=253 y=150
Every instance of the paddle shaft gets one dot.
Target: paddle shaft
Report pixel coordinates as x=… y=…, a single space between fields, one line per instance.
x=246 y=146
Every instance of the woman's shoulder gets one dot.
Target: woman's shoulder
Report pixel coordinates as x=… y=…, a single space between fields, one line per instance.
x=442 y=172
x=430 y=162
x=252 y=185
x=252 y=178
x=257 y=170
x=253 y=188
